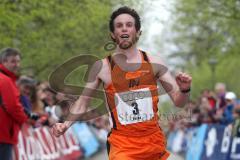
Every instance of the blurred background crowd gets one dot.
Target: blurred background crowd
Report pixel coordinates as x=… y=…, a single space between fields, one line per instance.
x=211 y=107
x=48 y=107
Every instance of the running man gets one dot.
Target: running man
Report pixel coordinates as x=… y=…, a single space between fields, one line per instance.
x=130 y=77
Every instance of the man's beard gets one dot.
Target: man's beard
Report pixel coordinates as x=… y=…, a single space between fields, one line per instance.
x=127 y=44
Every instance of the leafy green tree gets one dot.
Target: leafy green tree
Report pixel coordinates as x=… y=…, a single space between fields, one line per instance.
x=50 y=32
x=204 y=30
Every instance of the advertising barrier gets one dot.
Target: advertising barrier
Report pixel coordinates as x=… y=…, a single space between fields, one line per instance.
x=206 y=142
x=40 y=144
x=86 y=138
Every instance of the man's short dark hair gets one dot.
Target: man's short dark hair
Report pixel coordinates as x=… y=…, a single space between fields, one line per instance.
x=125 y=10
x=7 y=52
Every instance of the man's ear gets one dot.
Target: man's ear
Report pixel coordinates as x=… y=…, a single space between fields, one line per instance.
x=139 y=33
x=112 y=37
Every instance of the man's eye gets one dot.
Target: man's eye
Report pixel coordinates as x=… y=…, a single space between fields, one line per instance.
x=129 y=24
x=118 y=25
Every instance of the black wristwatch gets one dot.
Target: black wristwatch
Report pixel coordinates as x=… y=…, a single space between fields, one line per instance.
x=186 y=90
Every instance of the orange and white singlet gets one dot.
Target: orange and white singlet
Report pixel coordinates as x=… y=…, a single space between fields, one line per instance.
x=132 y=99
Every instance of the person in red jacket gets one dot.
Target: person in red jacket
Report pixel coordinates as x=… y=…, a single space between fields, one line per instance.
x=12 y=115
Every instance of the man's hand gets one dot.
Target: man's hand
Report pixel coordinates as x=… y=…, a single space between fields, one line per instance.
x=183 y=81
x=59 y=129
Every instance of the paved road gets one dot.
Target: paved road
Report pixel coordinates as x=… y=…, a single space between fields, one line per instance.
x=103 y=156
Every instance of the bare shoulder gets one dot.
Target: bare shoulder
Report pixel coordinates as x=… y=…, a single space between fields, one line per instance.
x=103 y=69
x=158 y=65
x=103 y=66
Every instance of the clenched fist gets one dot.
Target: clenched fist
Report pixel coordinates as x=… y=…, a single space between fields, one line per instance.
x=183 y=81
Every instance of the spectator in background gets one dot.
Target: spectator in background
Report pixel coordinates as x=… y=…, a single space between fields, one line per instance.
x=207 y=106
x=220 y=89
x=40 y=92
x=195 y=113
x=26 y=85
x=51 y=101
x=38 y=107
x=227 y=115
x=64 y=102
x=12 y=115
x=210 y=98
x=36 y=100
x=236 y=113
x=50 y=97
x=33 y=106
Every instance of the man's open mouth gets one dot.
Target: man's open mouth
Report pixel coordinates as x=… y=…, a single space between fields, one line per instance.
x=124 y=36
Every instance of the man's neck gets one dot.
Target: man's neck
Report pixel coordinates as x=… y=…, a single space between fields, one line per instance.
x=130 y=53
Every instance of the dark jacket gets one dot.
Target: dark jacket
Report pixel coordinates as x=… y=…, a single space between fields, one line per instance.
x=12 y=115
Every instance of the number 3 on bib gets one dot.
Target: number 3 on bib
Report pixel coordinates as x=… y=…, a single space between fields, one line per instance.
x=134 y=106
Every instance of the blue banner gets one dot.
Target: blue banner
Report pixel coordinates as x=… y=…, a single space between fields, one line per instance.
x=195 y=145
x=178 y=141
x=217 y=142
x=170 y=141
x=207 y=142
x=235 y=149
x=87 y=139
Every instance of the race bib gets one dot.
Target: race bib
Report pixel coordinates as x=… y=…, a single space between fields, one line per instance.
x=134 y=106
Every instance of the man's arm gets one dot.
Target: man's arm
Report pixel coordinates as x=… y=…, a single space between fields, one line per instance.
x=82 y=103
x=80 y=106
x=178 y=88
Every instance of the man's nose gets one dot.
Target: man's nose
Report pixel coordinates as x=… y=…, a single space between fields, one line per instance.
x=124 y=28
